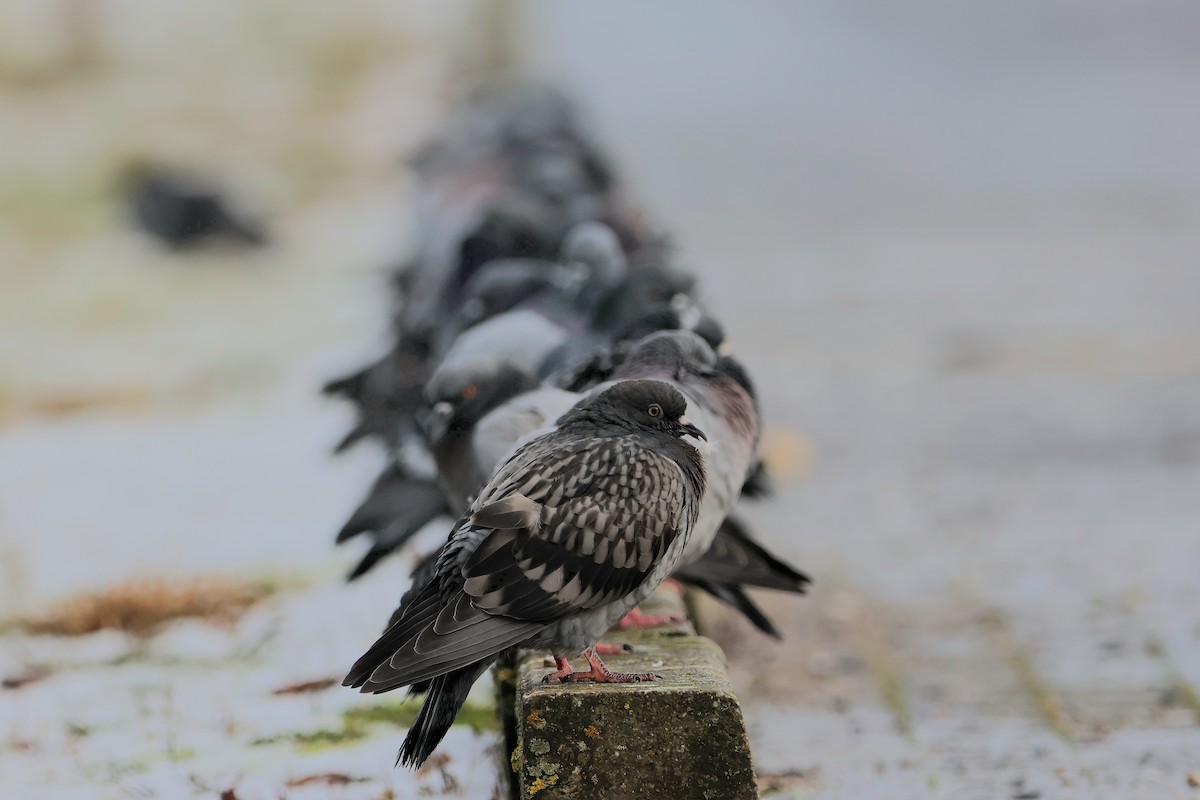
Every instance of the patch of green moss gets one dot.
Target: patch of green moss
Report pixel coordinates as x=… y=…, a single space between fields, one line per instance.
x=78 y=731
x=479 y=717
x=1043 y=697
x=322 y=737
x=399 y=714
x=356 y=723
x=181 y=754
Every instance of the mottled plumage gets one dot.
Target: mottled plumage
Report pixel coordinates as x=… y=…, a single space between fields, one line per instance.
x=719 y=403
x=490 y=408
x=574 y=530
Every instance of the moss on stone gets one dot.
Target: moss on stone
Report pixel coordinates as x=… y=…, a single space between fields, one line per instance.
x=682 y=737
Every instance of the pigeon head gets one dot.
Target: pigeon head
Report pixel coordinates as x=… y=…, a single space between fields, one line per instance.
x=718 y=383
x=637 y=405
x=458 y=397
x=669 y=354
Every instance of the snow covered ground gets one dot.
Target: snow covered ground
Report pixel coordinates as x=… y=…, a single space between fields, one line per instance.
x=955 y=244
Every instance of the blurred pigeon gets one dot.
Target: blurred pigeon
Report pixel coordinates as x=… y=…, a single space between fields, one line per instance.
x=387 y=393
x=399 y=504
x=466 y=452
x=547 y=559
x=734 y=561
x=564 y=291
x=467 y=437
x=509 y=175
x=183 y=212
x=523 y=337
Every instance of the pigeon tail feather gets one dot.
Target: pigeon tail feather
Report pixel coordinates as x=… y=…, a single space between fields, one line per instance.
x=444 y=698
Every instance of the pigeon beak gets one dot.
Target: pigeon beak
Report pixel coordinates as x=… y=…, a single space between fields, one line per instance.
x=689 y=429
x=437 y=422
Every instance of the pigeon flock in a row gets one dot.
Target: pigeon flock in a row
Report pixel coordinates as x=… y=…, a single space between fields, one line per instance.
x=555 y=386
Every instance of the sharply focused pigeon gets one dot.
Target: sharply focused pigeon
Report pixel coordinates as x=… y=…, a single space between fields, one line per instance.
x=531 y=313
x=480 y=412
x=182 y=212
x=719 y=402
x=575 y=529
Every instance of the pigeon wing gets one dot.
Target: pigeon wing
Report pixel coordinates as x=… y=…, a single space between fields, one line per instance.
x=568 y=524
x=578 y=531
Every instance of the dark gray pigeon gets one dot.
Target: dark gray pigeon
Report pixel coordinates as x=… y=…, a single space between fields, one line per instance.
x=386 y=393
x=572 y=532
x=183 y=212
x=460 y=397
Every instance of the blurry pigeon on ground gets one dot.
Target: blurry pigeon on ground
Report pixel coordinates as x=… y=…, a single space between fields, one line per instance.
x=183 y=212
x=572 y=532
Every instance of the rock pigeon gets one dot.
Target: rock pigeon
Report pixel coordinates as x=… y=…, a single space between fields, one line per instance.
x=183 y=212
x=481 y=412
x=719 y=403
x=575 y=529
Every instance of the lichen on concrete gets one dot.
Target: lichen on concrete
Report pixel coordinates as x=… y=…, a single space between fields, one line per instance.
x=682 y=737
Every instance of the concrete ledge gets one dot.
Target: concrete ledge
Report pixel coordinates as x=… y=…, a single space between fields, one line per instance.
x=681 y=738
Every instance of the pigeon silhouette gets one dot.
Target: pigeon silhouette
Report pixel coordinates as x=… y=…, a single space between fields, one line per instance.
x=184 y=213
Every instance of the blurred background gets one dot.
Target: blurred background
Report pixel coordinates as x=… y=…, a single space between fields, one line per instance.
x=956 y=245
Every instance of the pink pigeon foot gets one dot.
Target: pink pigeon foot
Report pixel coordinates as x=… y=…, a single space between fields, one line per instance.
x=599 y=673
x=638 y=619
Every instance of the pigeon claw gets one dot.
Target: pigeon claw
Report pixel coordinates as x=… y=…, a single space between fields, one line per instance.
x=599 y=672
x=563 y=672
x=593 y=676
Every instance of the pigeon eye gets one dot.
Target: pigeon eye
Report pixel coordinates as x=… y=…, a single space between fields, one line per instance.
x=655 y=410
x=470 y=392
